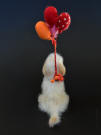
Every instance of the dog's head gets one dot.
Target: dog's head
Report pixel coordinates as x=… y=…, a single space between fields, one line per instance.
x=48 y=67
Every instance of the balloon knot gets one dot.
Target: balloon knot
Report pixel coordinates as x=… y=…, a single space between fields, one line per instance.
x=57 y=77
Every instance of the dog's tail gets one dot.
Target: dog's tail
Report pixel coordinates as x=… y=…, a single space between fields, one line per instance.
x=54 y=120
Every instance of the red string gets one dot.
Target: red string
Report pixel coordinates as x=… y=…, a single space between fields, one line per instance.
x=57 y=77
x=55 y=57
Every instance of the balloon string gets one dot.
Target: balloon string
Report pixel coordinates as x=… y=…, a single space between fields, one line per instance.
x=57 y=77
x=55 y=58
x=55 y=44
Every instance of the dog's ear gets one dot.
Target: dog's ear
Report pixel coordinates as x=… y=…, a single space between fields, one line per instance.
x=62 y=69
x=45 y=70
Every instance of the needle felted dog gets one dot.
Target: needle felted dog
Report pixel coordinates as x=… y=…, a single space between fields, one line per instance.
x=53 y=100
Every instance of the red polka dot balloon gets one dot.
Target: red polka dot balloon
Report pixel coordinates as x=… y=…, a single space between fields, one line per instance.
x=50 y=15
x=63 y=22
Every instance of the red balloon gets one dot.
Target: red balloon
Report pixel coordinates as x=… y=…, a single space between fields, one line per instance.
x=63 y=22
x=50 y=15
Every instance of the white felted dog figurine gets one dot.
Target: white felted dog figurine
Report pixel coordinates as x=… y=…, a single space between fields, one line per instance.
x=53 y=100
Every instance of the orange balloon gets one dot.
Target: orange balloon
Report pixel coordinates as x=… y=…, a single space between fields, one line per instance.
x=43 y=30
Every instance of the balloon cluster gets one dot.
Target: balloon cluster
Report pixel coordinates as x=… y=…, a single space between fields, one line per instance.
x=54 y=24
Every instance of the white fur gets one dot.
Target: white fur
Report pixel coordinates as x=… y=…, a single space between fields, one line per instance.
x=53 y=99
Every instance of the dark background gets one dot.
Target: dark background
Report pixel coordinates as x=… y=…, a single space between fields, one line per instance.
x=22 y=54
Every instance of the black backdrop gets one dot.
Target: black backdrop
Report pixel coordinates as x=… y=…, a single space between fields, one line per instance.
x=22 y=54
